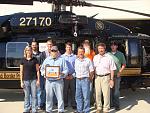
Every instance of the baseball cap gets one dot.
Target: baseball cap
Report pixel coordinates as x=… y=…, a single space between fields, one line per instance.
x=55 y=48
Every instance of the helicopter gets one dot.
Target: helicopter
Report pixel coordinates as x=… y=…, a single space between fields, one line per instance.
x=20 y=29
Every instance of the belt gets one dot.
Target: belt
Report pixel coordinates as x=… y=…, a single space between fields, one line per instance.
x=81 y=78
x=103 y=75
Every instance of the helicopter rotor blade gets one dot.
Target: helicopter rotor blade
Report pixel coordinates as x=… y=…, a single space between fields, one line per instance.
x=124 y=10
x=69 y=3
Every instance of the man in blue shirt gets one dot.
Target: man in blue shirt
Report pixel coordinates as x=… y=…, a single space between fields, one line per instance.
x=84 y=74
x=69 y=81
x=54 y=85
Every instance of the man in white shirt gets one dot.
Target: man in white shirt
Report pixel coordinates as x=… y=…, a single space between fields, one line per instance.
x=104 y=70
x=84 y=74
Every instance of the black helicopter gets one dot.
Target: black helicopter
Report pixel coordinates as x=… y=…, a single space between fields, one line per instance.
x=20 y=29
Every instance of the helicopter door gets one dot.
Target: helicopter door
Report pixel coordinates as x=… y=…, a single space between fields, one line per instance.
x=134 y=53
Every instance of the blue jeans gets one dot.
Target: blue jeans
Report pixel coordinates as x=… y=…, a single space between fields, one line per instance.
x=30 y=89
x=83 y=95
x=115 y=92
x=41 y=93
x=54 y=87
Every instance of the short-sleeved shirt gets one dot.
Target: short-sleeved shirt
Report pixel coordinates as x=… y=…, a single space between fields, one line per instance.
x=103 y=64
x=83 y=68
x=29 y=68
x=119 y=60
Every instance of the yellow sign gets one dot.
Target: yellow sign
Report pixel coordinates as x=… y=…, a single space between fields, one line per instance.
x=9 y=75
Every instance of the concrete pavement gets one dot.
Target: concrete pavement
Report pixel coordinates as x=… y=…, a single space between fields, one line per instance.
x=11 y=101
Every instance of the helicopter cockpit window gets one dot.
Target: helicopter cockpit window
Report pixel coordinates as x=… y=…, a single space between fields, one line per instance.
x=14 y=53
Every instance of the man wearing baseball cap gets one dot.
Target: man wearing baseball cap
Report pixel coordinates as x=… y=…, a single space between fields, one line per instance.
x=54 y=84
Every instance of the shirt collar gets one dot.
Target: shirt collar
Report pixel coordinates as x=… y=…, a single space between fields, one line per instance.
x=114 y=52
x=102 y=55
x=35 y=52
x=53 y=58
x=82 y=59
x=68 y=55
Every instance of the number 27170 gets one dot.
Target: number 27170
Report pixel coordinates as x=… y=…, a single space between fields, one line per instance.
x=35 y=21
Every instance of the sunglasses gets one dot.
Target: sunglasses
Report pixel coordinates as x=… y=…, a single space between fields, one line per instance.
x=53 y=50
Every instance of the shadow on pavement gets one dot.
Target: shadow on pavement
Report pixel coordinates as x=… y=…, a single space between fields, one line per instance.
x=11 y=95
x=130 y=98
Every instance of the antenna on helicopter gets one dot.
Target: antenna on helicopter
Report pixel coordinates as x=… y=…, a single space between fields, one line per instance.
x=94 y=15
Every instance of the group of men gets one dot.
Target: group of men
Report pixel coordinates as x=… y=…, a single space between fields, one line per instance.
x=77 y=73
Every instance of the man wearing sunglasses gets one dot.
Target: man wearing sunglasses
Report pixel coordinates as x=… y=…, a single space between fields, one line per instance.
x=54 y=84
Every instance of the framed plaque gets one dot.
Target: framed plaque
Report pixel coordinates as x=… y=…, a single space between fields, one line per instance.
x=52 y=71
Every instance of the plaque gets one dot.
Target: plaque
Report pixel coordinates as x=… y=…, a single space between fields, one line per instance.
x=52 y=71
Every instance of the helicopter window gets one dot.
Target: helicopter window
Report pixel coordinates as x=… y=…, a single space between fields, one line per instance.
x=14 y=53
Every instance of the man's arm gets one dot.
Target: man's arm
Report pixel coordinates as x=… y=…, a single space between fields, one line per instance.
x=21 y=76
x=122 y=68
x=123 y=65
x=42 y=70
x=111 y=79
x=38 y=74
x=112 y=75
x=74 y=74
x=112 y=72
x=91 y=68
x=65 y=69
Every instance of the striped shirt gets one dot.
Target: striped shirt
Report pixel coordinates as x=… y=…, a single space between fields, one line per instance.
x=83 y=67
x=103 y=64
